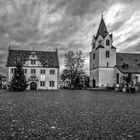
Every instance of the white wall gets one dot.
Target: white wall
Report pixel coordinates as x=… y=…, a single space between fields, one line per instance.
x=138 y=77
x=120 y=75
x=94 y=74
x=94 y=61
x=106 y=76
x=46 y=76
x=103 y=59
x=102 y=74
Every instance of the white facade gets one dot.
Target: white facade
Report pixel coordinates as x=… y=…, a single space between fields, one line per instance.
x=38 y=76
x=108 y=68
x=102 y=61
x=47 y=77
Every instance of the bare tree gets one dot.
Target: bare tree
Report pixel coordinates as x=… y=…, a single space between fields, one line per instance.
x=74 y=64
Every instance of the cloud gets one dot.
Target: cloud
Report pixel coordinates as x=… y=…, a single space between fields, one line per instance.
x=66 y=24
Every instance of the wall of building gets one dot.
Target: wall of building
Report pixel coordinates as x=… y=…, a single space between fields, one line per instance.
x=138 y=75
x=94 y=74
x=106 y=77
x=120 y=76
x=103 y=74
x=94 y=63
x=103 y=59
x=47 y=77
x=133 y=77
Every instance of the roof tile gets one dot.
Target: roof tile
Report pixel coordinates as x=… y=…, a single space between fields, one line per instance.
x=130 y=60
x=47 y=59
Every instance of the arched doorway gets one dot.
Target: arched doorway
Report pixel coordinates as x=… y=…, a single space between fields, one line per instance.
x=94 y=83
x=33 y=86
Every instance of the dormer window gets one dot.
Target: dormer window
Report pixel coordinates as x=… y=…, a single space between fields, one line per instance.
x=125 y=66
x=107 y=42
x=33 y=62
x=33 y=71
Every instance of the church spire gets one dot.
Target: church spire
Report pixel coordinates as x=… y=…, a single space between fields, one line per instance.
x=102 y=14
x=102 y=30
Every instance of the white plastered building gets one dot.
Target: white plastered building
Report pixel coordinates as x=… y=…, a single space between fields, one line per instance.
x=41 y=68
x=108 y=67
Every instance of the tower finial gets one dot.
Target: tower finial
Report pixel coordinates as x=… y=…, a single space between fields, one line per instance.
x=102 y=14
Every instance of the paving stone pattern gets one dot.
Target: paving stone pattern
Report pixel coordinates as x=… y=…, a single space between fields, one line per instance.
x=69 y=115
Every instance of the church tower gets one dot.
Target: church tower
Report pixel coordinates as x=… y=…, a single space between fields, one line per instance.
x=102 y=58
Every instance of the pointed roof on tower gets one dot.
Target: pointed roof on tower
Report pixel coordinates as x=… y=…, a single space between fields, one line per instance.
x=102 y=30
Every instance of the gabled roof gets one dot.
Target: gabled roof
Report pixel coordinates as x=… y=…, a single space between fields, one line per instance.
x=47 y=59
x=100 y=46
x=102 y=30
x=111 y=36
x=113 y=47
x=128 y=62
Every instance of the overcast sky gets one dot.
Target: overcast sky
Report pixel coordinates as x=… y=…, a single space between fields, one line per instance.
x=67 y=25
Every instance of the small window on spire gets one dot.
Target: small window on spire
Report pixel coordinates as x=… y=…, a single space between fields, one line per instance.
x=107 y=42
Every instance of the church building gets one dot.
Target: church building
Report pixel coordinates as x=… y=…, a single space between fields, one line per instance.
x=107 y=67
x=41 y=68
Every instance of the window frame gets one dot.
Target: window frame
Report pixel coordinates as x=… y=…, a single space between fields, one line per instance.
x=117 y=78
x=25 y=71
x=107 y=64
x=52 y=72
x=42 y=71
x=51 y=83
x=93 y=56
x=12 y=70
x=33 y=62
x=107 y=54
x=33 y=71
x=107 y=42
x=42 y=83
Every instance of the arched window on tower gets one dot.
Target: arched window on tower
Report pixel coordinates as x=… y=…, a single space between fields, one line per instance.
x=107 y=54
x=107 y=42
x=93 y=56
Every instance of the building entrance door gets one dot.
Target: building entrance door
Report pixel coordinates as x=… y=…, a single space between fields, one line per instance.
x=94 y=83
x=33 y=86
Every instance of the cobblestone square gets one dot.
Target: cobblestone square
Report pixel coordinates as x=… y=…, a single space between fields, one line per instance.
x=69 y=115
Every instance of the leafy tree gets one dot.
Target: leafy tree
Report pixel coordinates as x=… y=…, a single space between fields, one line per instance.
x=77 y=83
x=65 y=75
x=74 y=63
x=18 y=81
